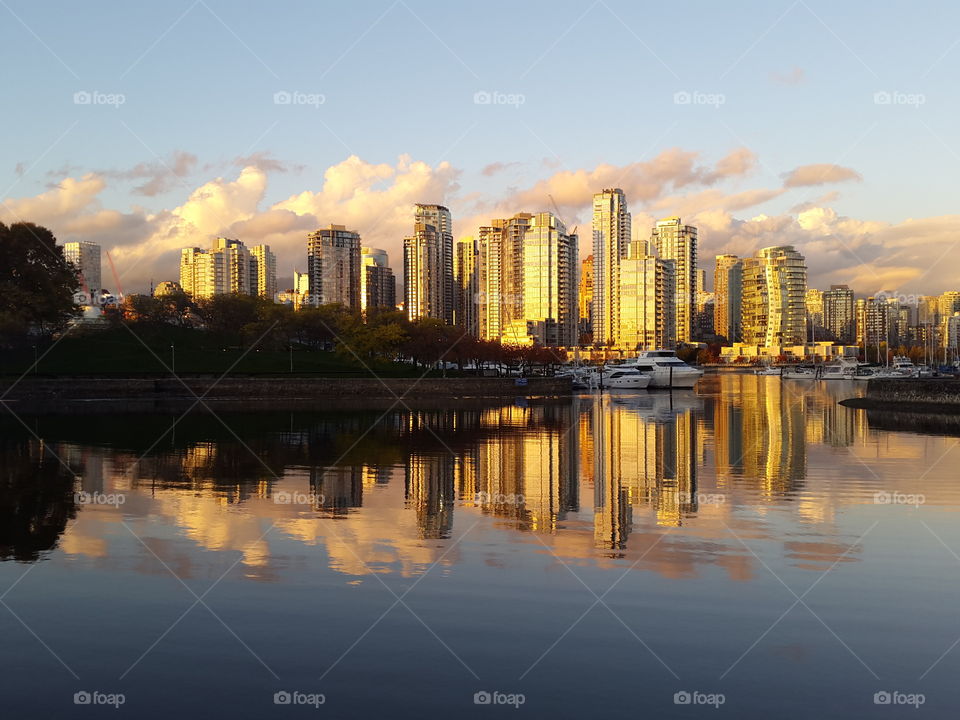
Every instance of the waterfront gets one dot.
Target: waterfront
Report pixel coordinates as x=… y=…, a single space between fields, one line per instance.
x=752 y=539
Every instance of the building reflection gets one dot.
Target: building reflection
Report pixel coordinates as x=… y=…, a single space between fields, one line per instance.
x=760 y=433
x=608 y=465
x=646 y=450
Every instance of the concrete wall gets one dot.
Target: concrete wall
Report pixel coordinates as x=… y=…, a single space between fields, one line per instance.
x=275 y=387
x=932 y=392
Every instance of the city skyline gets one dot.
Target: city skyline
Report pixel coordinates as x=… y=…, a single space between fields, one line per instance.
x=520 y=284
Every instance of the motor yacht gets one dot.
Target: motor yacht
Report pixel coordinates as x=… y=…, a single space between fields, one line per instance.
x=665 y=369
x=626 y=378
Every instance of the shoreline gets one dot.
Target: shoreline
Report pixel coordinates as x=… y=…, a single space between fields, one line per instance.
x=934 y=396
x=42 y=390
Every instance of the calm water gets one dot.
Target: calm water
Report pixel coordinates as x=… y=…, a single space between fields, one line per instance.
x=753 y=540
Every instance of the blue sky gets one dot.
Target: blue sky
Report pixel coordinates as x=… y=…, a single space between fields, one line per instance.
x=796 y=83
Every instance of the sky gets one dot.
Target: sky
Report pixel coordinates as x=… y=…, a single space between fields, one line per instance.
x=148 y=127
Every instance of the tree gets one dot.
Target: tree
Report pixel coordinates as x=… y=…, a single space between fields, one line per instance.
x=37 y=284
x=142 y=308
x=229 y=315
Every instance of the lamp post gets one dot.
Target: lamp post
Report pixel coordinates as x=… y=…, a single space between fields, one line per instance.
x=173 y=359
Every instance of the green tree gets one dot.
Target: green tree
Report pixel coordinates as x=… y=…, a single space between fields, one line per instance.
x=229 y=315
x=37 y=284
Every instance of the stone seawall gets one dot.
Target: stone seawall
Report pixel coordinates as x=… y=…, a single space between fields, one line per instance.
x=273 y=388
x=911 y=395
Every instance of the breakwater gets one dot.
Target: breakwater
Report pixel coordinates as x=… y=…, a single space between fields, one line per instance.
x=251 y=388
x=912 y=395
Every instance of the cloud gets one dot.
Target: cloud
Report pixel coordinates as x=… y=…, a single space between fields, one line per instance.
x=795 y=76
x=643 y=182
x=266 y=162
x=377 y=199
x=819 y=174
x=497 y=167
x=158 y=175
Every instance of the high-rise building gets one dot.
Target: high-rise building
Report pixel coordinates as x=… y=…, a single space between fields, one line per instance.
x=301 y=283
x=527 y=281
x=873 y=320
x=548 y=266
x=678 y=242
x=428 y=265
x=814 y=304
x=500 y=275
x=466 y=285
x=266 y=270
x=773 y=308
x=948 y=304
x=333 y=264
x=704 y=308
x=928 y=310
x=378 y=286
x=838 y=313
x=227 y=268
x=85 y=256
x=646 y=300
x=585 y=295
x=611 y=236
x=728 y=290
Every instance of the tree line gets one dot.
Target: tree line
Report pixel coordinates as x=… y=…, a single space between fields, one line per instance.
x=375 y=337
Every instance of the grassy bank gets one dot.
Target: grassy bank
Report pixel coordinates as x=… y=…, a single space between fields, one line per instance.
x=116 y=352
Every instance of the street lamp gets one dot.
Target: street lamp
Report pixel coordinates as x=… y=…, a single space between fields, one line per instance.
x=173 y=359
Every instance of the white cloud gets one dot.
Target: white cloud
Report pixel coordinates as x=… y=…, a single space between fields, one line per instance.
x=376 y=200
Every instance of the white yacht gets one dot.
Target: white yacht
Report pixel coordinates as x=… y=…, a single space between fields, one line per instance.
x=800 y=373
x=665 y=369
x=841 y=369
x=626 y=378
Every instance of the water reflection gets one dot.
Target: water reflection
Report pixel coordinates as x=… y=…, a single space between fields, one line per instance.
x=588 y=472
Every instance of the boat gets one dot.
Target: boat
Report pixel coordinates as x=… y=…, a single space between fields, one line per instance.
x=842 y=369
x=628 y=378
x=800 y=373
x=769 y=370
x=877 y=373
x=665 y=369
x=924 y=371
x=904 y=366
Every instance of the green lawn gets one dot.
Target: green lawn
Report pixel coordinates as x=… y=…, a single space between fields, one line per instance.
x=117 y=352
